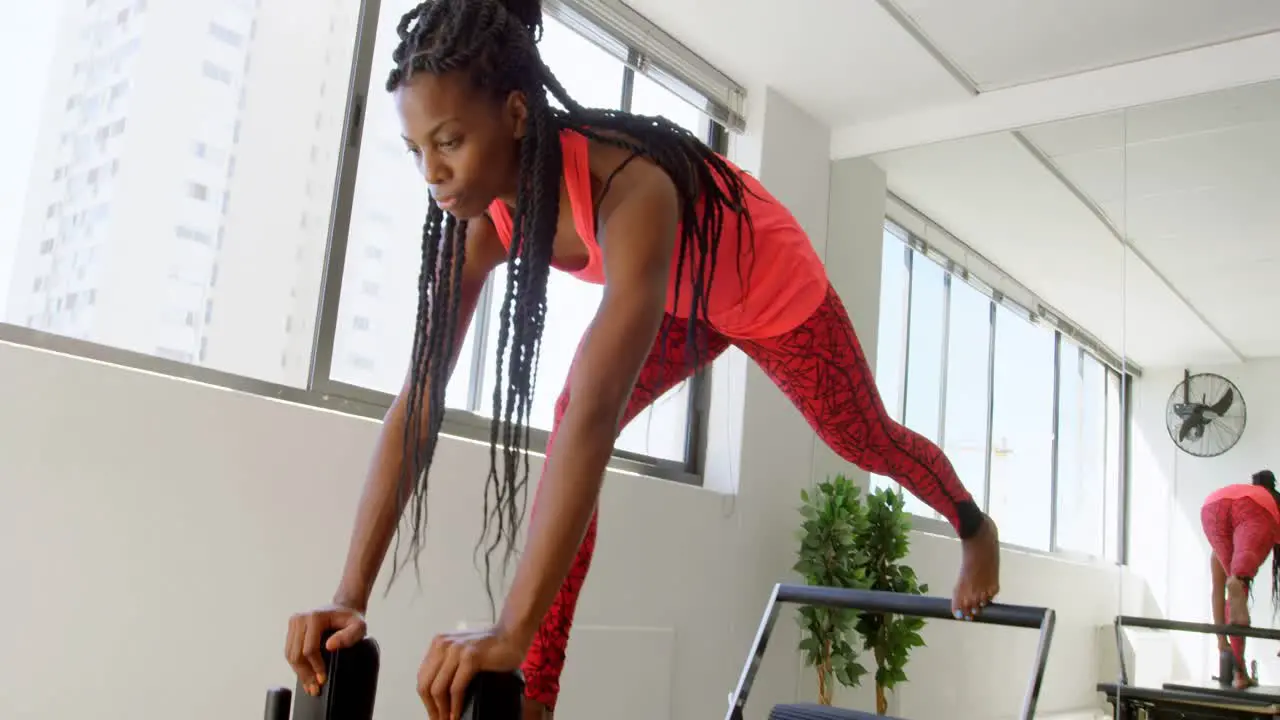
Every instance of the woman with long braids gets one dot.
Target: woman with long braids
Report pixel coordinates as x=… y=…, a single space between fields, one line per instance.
x=694 y=255
x=1242 y=524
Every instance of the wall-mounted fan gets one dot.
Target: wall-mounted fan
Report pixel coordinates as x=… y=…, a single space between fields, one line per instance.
x=1205 y=414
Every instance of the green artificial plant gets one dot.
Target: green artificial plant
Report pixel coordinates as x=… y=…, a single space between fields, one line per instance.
x=883 y=541
x=846 y=543
x=829 y=555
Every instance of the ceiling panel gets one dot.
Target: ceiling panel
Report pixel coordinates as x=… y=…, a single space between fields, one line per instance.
x=1000 y=43
x=1194 y=190
x=842 y=61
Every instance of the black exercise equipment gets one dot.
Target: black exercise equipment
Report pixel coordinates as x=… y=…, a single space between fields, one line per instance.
x=347 y=694
x=1135 y=703
x=352 y=684
x=1183 y=701
x=1035 y=618
x=353 y=672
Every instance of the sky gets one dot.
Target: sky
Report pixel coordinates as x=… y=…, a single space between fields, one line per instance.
x=26 y=41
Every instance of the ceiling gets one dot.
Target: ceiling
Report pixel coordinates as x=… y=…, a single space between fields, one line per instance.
x=1190 y=183
x=933 y=90
x=849 y=61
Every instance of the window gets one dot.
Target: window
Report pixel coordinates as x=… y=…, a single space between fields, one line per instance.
x=389 y=202
x=891 y=347
x=968 y=393
x=1022 y=430
x=1030 y=420
x=926 y=323
x=285 y=183
x=213 y=72
x=1082 y=427
x=226 y=35
x=125 y=219
x=1113 y=473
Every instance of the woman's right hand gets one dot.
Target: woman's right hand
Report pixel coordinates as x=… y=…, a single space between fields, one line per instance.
x=302 y=645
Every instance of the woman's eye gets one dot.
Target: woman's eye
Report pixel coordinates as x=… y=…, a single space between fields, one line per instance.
x=451 y=144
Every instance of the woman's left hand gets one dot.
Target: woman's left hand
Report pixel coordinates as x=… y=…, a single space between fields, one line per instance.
x=455 y=658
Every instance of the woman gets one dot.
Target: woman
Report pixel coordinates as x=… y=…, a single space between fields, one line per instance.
x=1242 y=524
x=694 y=256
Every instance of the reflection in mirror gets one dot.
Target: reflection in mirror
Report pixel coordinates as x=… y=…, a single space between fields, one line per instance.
x=1199 y=199
x=1002 y=337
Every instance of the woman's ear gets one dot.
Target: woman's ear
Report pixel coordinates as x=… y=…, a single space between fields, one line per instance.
x=516 y=111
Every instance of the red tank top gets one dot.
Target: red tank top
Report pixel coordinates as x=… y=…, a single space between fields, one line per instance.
x=762 y=294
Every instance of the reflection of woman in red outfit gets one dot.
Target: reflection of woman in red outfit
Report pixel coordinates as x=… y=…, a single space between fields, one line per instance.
x=1242 y=524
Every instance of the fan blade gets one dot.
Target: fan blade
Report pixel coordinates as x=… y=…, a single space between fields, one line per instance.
x=1197 y=420
x=1223 y=405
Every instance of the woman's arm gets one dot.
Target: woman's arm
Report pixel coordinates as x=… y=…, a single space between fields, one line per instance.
x=639 y=219
x=379 y=507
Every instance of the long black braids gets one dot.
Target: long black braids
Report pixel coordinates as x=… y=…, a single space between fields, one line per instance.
x=494 y=41
x=1267 y=479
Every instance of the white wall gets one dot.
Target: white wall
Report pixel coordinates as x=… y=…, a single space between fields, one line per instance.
x=1167 y=545
x=158 y=533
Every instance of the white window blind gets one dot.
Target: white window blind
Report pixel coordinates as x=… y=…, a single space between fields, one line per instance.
x=646 y=48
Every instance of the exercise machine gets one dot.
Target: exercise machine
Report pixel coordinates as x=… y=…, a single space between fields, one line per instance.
x=353 y=683
x=353 y=672
x=1189 y=701
x=938 y=608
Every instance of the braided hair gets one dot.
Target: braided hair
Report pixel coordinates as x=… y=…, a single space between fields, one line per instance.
x=494 y=43
x=1267 y=479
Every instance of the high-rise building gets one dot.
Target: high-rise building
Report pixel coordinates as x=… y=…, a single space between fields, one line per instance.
x=180 y=193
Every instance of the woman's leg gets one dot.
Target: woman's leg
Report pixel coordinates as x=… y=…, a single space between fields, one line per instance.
x=1252 y=536
x=821 y=367
x=1215 y=520
x=661 y=372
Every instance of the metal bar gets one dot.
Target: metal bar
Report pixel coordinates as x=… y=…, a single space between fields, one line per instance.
x=1042 y=660
x=1035 y=618
x=738 y=699
x=991 y=408
x=1054 y=456
x=938 y=608
x=326 y=324
x=1135 y=621
x=1124 y=667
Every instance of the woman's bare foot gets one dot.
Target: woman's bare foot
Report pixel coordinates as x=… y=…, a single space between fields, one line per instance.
x=1242 y=681
x=1237 y=602
x=979 y=579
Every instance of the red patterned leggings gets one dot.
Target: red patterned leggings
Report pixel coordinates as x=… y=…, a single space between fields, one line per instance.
x=821 y=368
x=1241 y=533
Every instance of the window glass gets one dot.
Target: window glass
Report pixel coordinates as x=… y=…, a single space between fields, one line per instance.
x=1022 y=431
x=926 y=328
x=891 y=344
x=173 y=209
x=968 y=386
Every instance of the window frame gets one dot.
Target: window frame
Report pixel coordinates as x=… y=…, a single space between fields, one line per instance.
x=918 y=250
x=653 y=53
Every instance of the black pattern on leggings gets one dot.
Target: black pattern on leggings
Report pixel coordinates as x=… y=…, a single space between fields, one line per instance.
x=822 y=369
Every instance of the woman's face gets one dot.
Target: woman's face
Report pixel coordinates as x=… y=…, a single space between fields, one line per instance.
x=465 y=142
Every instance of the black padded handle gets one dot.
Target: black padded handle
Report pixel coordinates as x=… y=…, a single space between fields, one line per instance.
x=494 y=696
x=1023 y=616
x=278 y=701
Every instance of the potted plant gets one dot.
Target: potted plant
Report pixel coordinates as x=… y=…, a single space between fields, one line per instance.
x=829 y=555
x=847 y=543
x=884 y=541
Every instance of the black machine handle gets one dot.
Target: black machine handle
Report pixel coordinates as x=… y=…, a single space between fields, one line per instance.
x=939 y=608
x=1036 y=618
x=278 y=702
x=491 y=695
